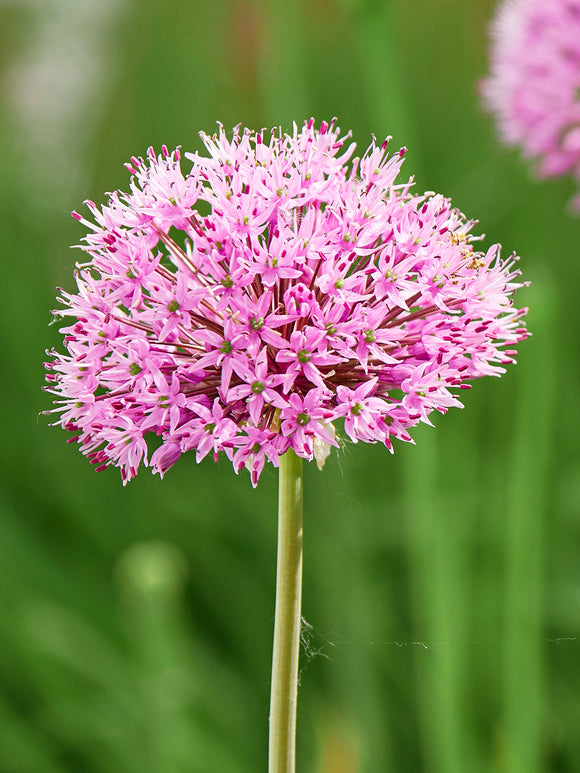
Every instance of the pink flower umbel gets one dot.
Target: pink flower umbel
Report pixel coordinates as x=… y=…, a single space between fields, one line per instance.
x=534 y=82
x=245 y=304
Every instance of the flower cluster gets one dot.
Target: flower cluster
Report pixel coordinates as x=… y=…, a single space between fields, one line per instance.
x=246 y=305
x=534 y=83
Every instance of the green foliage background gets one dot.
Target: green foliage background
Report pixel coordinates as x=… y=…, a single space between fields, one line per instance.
x=442 y=585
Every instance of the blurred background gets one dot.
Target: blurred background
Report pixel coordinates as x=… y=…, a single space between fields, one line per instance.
x=442 y=585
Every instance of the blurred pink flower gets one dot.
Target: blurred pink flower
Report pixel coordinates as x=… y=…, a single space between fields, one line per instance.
x=245 y=305
x=534 y=82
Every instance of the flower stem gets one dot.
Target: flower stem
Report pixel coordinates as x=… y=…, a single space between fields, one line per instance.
x=283 y=696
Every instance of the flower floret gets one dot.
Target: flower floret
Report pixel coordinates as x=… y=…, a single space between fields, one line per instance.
x=312 y=291
x=533 y=87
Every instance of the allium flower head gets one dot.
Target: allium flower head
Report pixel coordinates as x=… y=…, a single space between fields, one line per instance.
x=534 y=83
x=244 y=305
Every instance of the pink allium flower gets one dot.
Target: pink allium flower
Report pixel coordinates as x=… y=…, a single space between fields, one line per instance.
x=246 y=304
x=534 y=84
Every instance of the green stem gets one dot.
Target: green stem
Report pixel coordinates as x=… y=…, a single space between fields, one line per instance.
x=283 y=696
